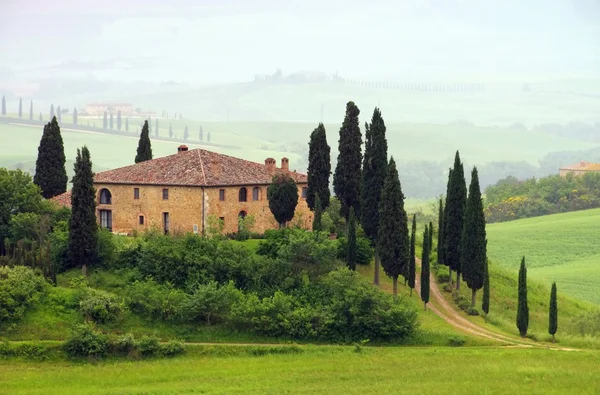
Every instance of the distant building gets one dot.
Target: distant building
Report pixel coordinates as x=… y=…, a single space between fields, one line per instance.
x=98 y=109
x=579 y=168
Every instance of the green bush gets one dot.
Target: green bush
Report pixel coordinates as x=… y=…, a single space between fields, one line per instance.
x=211 y=303
x=364 y=250
x=124 y=344
x=86 y=342
x=100 y=306
x=148 y=345
x=456 y=341
x=172 y=348
x=155 y=301
x=443 y=278
x=20 y=288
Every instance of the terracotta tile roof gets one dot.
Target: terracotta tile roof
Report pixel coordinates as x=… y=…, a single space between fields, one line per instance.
x=196 y=167
x=583 y=165
x=63 y=199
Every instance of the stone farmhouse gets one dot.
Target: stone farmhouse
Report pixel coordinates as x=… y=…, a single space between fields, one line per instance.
x=178 y=193
x=579 y=169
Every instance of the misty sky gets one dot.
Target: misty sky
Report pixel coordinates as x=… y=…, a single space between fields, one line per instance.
x=231 y=40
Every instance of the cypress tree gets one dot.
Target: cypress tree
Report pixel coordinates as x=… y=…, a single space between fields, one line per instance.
x=456 y=204
x=185 y=133
x=442 y=248
x=392 y=238
x=111 y=121
x=282 y=195
x=20 y=108
x=485 y=304
x=318 y=215
x=319 y=168
x=156 y=127
x=50 y=173
x=522 y=308
x=201 y=134
x=373 y=177
x=473 y=243
x=31 y=111
x=58 y=114
x=351 y=255
x=553 y=324
x=347 y=177
x=3 y=106
x=75 y=116
x=170 y=131
x=127 y=124
x=51 y=111
x=208 y=137
x=119 y=120
x=144 y=150
x=412 y=260
x=105 y=120
x=83 y=229
x=41 y=117
x=425 y=268
x=430 y=239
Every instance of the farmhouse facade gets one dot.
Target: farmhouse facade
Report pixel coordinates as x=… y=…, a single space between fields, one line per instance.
x=98 y=109
x=180 y=192
x=579 y=169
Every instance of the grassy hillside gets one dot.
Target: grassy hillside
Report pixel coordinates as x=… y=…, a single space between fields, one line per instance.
x=562 y=248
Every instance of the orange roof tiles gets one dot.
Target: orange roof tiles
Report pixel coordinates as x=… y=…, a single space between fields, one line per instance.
x=63 y=199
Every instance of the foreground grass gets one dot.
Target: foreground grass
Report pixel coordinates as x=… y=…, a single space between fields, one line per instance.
x=319 y=370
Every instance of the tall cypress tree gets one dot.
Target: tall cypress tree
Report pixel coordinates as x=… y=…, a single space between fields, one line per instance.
x=75 y=116
x=127 y=124
x=105 y=120
x=347 y=177
x=553 y=317
x=111 y=121
x=156 y=127
x=485 y=304
x=430 y=239
x=317 y=226
x=41 y=117
x=119 y=120
x=319 y=168
x=58 y=114
x=31 y=111
x=522 y=308
x=374 y=169
x=473 y=243
x=457 y=200
x=83 y=229
x=443 y=231
x=392 y=238
x=412 y=259
x=440 y=244
x=51 y=111
x=50 y=173
x=144 y=150
x=20 y=108
x=425 y=267
x=351 y=255
x=3 y=106
x=185 y=133
x=208 y=137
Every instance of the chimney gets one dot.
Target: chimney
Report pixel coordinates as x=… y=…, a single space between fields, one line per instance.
x=182 y=148
x=285 y=164
x=270 y=165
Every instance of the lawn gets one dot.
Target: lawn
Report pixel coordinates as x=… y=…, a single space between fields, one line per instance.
x=320 y=369
x=561 y=247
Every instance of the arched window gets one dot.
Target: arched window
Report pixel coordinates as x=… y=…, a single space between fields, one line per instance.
x=256 y=193
x=243 y=195
x=105 y=196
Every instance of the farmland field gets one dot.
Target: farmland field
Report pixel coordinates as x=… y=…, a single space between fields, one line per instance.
x=320 y=369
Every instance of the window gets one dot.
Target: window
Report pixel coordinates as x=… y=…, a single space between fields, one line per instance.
x=304 y=192
x=165 y=194
x=221 y=194
x=243 y=195
x=166 y=223
x=141 y=220
x=136 y=193
x=105 y=196
x=106 y=219
x=256 y=193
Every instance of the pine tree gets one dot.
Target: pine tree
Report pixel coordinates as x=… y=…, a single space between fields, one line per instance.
x=144 y=150
x=317 y=226
x=31 y=111
x=111 y=121
x=75 y=116
x=456 y=204
x=485 y=304
x=105 y=120
x=3 y=106
x=522 y=308
x=425 y=268
x=412 y=259
x=127 y=124
x=351 y=254
x=201 y=134
x=83 y=229
x=58 y=114
x=156 y=127
x=473 y=242
x=170 y=131
x=347 y=177
x=208 y=137
x=442 y=236
x=282 y=195
x=50 y=173
x=185 y=133
x=392 y=238
x=119 y=120
x=373 y=177
x=20 y=108
x=51 y=111
x=553 y=317
x=430 y=239
x=319 y=168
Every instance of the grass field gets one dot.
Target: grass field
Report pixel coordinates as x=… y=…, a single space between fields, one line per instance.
x=320 y=369
x=561 y=247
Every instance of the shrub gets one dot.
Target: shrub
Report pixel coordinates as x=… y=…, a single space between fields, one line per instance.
x=364 y=250
x=171 y=348
x=211 y=303
x=456 y=341
x=20 y=288
x=155 y=301
x=472 y=311
x=86 y=342
x=442 y=278
x=148 y=345
x=100 y=306
x=461 y=301
x=124 y=344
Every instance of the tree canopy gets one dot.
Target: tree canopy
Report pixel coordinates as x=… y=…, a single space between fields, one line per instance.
x=50 y=172
x=283 y=198
x=319 y=168
x=144 y=149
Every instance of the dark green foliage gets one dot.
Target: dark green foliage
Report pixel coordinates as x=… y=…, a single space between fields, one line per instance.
x=75 y=116
x=318 y=214
x=58 y=114
x=170 y=131
x=351 y=255
x=50 y=171
x=208 y=137
x=110 y=124
x=119 y=120
x=105 y=120
x=127 y=124
x=3 y=106
x=51 y=111
x=347 y=177
x=425 y=267
x=211 y=303
x=144 y=149
x=473 y=243
x=374 y=168
x=185 y=133
x=522 y=308
x=156 y=301
x=20 y=108
x=319 y=168
x=98 y=305
x=20 y=288
x=553 y=316
x=86 y=342
x=83 y=229
x=455 y=206
x=364 y=250
x=485 y=304
x=393 y=242
x=31 y=111
x=201 y=134
x=410 y=277
x=430 y=239
x=283 y=198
